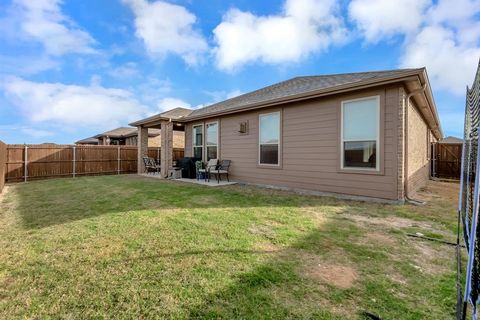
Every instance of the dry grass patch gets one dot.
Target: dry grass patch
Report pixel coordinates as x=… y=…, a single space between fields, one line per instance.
x=430 y=258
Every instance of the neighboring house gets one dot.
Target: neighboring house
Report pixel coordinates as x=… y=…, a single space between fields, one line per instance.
x=364 y=134
x=88 y=141
x=128 y=136
x=451 y=140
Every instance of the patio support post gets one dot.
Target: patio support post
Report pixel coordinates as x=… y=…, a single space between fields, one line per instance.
x=166 y=157
x=142 y=145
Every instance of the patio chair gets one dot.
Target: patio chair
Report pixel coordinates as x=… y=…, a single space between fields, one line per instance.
x=151 y=165
x=222 y=168
x=211 y=166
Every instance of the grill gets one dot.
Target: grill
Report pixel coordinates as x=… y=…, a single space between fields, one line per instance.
x=188 y=167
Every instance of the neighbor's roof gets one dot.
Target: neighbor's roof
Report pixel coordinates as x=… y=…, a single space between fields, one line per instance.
x=91 y=140
x=117 y=133
x=124 y=132
x=152 y=132
x=451 y=140
x=174 y=114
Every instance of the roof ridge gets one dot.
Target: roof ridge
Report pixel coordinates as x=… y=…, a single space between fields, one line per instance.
x=359 y=72
x=279 y=84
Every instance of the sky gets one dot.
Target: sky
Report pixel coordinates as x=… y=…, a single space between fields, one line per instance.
x=74 y=68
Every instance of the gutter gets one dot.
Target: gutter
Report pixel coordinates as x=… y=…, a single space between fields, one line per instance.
x=405 y=143
x=429 y=97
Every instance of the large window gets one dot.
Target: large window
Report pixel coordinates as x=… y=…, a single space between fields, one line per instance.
x=360 y=133
x=212 y=140
x=269 y=138
x=198 y=141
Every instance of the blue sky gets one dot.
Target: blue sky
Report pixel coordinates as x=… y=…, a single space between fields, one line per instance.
x=72 y=69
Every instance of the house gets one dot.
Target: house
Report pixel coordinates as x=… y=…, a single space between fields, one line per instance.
x=128 y=136
x=451 y=140
x=92 y=141
x=363 y=134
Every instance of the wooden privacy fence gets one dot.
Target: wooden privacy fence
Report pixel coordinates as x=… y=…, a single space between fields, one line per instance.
x=29 y=162
x=446 y=160
x=3 y=164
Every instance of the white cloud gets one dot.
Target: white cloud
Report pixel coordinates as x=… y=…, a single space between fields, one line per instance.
x=456 y=12
x=128 y=70
x=26 y=65
x=447 y=44
x=152 y=89
x=36 y=133
x=168 y=29
x=169 y=103
x=303 y=27
x=377 y=19
x=442 y=36
x=450 y=64
x=72 y=105
x=43 y=21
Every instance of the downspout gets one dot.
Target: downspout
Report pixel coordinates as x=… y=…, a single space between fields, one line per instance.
x=405 y=137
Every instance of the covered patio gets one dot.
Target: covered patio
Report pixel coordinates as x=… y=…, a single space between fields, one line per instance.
x=167 y=122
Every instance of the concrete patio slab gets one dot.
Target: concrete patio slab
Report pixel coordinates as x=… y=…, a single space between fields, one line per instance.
x=211 y=183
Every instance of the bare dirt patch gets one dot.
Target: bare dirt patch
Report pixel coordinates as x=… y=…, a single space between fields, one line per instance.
x=340 y=276
x=375 y=238
x=390 y=222
x=335 y=274
x=429 y=259
x=437 y=190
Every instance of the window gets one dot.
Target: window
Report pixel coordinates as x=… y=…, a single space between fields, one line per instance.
x=198 y=141
x=212 y=140
x=269 y=138
x=360 y=133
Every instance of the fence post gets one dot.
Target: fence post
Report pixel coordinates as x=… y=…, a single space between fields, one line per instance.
x=25 y=164
x=118 y=160
x=74 y=162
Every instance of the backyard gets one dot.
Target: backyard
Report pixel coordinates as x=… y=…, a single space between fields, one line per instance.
x=133 y=247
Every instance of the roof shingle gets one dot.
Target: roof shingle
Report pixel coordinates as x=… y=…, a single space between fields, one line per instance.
x=295 y=86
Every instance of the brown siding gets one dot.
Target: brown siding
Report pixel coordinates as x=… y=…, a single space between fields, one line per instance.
x=310 y=144
x=418 y=146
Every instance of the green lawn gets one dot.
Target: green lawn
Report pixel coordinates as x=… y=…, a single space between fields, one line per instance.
x=134 y=247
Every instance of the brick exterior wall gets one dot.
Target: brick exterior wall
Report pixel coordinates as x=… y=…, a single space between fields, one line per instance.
x=401 y=144
x=418 y=150
x=142 y=147
x=178 y=140
x=166 y=157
